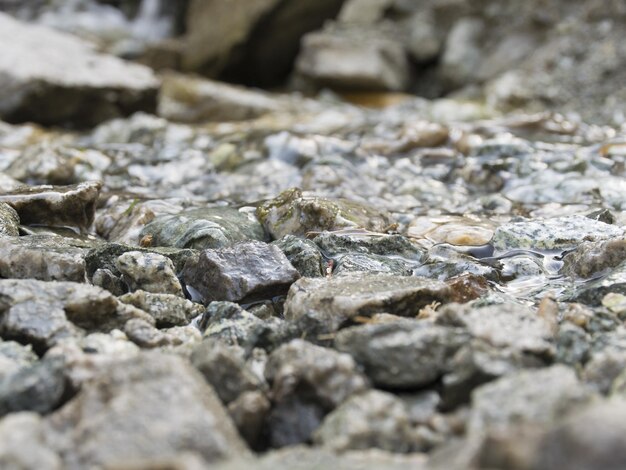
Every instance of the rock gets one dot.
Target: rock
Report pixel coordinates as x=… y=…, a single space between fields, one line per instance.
x=590 y=258
x=145 y=335
x=213 y=227
x=302 y=254
x=14 y=357
x=225 y=368
x=47 y=258
x=572 y=345
x=39 y=387
x=93 y=87
x=291 y=213
x=459 y=231
x=372 y=419
x=24 y=443
x=342 y=58
x=113 y=417
x=368 y=243
x=324 y=305
x=552 y=234
x=534 y=397
x=603 y=368
x=166 y=309
x=307 y=382
x=55 y=205
x=150 y=272
x=421 y=406
x=9 y=221
x=406 y=354
x=249 y=412
x=592 y=293
x=246 y=271
x=462 y=55
x=189 y=100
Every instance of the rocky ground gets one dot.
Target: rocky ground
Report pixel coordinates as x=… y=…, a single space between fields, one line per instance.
x=197 y=274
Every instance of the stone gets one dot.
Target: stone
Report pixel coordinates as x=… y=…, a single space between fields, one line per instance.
x=246 y=271
x=47 y=258
x=559 y=233
x=592 y=293
x=153 y=405
x=9 y=221
x=302 y=254
x=603 y=369
x=325 y=305
x=24 y=443
x=166 y=309
x=213 y=227
x=341 y=58
x=78 y=87
x=372 y=419
x=249 y=412
x=145 y=335
x=225 y=368
x=72 y=206
x=402 y=355
x=14 y=357
x=150 y=272
x=354 y=241
x=590 y=258
x=307 y=382
x=292 y=213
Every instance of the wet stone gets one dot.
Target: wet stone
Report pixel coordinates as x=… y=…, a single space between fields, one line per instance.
x=363 y=242
x=372 y=419
x=246 y=271
x=593 y=257
x=307 y=382
x=552 y=234
x=150 y=272
x=9 y=220
x=43 y=257
x=592 y=293
x=324 y=305
x=213 y=227
x=166 y=309
x=302 y=254
x=72 y=206
x=406 y=354
x=292 y=213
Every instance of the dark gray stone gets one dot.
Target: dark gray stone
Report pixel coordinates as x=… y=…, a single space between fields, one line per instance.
x=166 y=309
x=302 y=254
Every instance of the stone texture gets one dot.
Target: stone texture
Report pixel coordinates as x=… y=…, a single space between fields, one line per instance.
x=166 y=309
x=24 y=443
x=302 y=254
x=590 y=258
x=9 y=220
x=150 y=272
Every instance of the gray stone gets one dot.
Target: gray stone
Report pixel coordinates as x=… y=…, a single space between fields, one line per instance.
x=302 y=254
x=55 y=205
x=246 y=271
x=24 y=443
x=324 y=305
x=145 y=335
x=150 y=272
x=14 y=357
x=225 y=368
x=249 y=412
x=362 y=242
x=307 y=381
x=79 y=87
x=213 y=227
x=292 y=213
x=153 y=405
x=9 y=220
x=552 y=234
x=592 y=293
x=166 y=309
x=592 y=257
x=603 y=368
x=47 y=258
x=357 y=262
x=372 y=419
x=401 y=355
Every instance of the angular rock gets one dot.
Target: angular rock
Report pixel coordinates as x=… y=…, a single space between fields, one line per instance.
x=78 y=87
x=552 y=234
x=292 y=213
x=307 y=382
x=401 y=355
x=592 y=257
x=166 y=309
x=72 y=206
x=150 y=272
x=302 y=254
x=372 y=419
x=324 y=305
x=368 y=243
x=145 y=335
x=373 y=264
x=47 y=258
x=592 y=293
x=24 y=443
x=153 y=405
x=9 y=221
x=213 y=227
x=246 y=271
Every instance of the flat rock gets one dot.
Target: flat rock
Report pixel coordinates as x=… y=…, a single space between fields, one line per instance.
x=401 y=355
x=150 y=406
x=77 y=86
x=150 y=272
x=72 y=206
x=9 y=220
x=292 y=213
x=166 y=309
x=247 y=270
x=552 y=234
x=372 y=419
x=212 y=227
x=43 y=257
x=326 y=304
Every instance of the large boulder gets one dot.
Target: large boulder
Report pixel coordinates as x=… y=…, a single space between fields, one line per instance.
x=54 y=78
